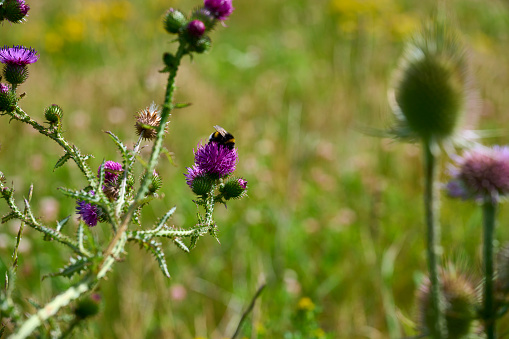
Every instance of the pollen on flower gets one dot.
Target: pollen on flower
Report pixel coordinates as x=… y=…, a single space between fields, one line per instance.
x=147 y=122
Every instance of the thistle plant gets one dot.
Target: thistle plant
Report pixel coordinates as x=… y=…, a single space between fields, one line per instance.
x=113 y=197
x=428 y=99
x=482 y=174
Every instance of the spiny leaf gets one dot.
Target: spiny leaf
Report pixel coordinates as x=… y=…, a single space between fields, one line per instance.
x=62 y=160
x=81 y=195
x=8 y=217
x=165 y=218
x=155 y=248
x=61 y=223
x=77 y=265
x=181 y=245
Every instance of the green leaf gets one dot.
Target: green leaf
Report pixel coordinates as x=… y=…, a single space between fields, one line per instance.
x=181 y=245
x=182 y=105
x=169 y=155
x=77 y=265
x=62 y=161
x=62 y=222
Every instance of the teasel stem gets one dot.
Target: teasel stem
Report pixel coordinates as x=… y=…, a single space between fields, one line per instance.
x=489 y=312
x=433 y=249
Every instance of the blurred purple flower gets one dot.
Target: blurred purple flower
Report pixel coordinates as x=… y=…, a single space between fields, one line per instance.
x=4 y=88
x=88 y=212
x=18 y=55
x=112 y=170
x=481 y=173
x=220 y=9
x=215 y=159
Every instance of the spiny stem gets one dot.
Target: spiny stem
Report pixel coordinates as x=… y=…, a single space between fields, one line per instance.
x=433 y=248
x=489 y=211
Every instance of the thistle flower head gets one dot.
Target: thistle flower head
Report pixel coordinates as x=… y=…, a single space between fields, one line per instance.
x=112 y=170
x=215 y=159
x=89 y=213
x=18 y=55
x=220 y=9
x=147 y=122
x=174 y=20
x=234 y=188
x=16 y=59
x=481 y=173
x=430 y=91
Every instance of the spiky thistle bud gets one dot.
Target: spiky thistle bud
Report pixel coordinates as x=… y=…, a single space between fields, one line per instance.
x=195 y=28
x=201 y=45
x=430 y=88
x=147 y=122
x=174 y=21
x=7 y=98
x=15 y=10
x=53 y=114
x=155 y=182
x=205 y=16
x=461 y=304
x=234 y=188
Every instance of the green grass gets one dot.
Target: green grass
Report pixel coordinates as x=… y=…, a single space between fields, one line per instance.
x=326 y=203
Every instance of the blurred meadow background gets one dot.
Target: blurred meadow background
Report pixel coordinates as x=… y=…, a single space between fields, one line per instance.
x=333 y=215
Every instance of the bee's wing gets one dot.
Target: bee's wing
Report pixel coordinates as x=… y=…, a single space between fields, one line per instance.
x=221 y=130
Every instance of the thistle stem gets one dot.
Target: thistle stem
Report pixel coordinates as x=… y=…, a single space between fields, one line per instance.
x=433 y=249
x=489 y=211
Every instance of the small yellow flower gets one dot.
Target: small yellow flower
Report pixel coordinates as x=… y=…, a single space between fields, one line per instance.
x=306 y=304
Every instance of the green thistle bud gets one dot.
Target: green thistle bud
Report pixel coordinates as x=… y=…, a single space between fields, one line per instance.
x=155 y=182
x=6 y=193
x=87 y=306
x=204 y=16
x=53 y=114
x=202 y=185
x=14 y=10
x=234 y=188
x=7 y=98
x=174 y=21
x=461 y=304
x=201 y=45
x=430 y=90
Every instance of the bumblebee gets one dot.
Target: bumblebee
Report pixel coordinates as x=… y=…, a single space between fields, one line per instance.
x=221 y=137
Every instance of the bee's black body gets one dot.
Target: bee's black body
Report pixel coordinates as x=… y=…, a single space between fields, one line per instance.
x=221 y=137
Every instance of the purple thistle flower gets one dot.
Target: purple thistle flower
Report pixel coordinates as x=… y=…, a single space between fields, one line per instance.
x=88 y=212
x=214 y=159
x=193 y=173
x=18 y=55
x=23 y=7
x=196 y=28
x=4 y=88
x=112 y=170
x=481 y=173
x=220 y=9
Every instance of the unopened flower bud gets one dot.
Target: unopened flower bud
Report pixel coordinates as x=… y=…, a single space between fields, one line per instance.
x=196 y=28
x=7 y=98
x=53 y=114
x=155 y=182
x=460 y=310
x=174 y=21
x=234 y=188
x=205 y=16
x=202 y=45
x=430 y=91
